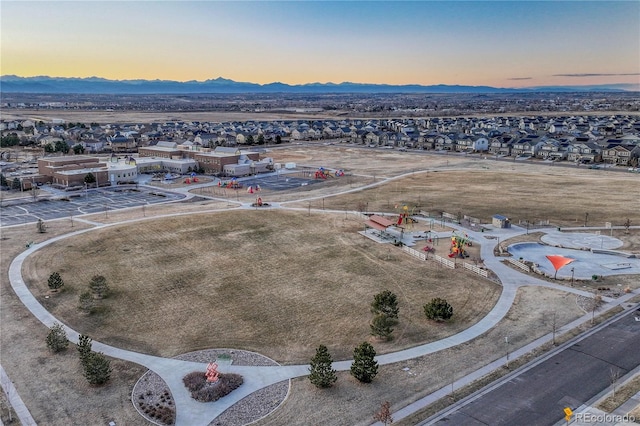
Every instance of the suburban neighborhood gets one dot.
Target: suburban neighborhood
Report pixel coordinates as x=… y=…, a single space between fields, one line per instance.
x=232 y=148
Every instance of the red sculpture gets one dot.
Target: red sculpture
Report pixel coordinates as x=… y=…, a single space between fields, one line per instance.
x=212 y=372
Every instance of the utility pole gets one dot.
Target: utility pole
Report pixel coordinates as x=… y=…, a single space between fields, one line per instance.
x=506 y=341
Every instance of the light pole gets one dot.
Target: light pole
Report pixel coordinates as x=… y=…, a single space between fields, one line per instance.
x=506 y=341
x=572 y=277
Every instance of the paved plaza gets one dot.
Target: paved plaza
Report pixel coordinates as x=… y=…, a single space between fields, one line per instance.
x=585 y=265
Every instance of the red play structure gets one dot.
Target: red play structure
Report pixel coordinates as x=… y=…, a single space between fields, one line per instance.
x=458 y=244
x=230 y=184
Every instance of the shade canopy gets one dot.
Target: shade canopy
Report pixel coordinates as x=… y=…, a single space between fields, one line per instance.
x=559 y=261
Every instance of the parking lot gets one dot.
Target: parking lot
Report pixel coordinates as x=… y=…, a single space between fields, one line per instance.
x=81 y=202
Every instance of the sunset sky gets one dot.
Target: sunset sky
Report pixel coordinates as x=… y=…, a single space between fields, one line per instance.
x=495 y=43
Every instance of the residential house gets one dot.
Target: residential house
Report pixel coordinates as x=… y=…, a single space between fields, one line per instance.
x=584 y=152
x=526 y=147
x=617 y=154
x=501 y=146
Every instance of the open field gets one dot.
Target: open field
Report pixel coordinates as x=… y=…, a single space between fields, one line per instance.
x=115 y=117
x=52 y=385
x=273 y=282
x=354 y=403
x=518 y=191
x=273 y=266
x=105 y=117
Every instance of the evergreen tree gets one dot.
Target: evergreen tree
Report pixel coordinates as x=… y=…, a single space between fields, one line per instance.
x=381 y=326
x=97 y=368
x=3 y=180
x=98 y=286
x=42 y=228
x=89 y=178
x=55 y=281
x=321 y=374
x=16 y=184
x=57 y=338
x=438 y=310
x=385 y=303
x=364 y=367
x=84 y=347
x=86 y=303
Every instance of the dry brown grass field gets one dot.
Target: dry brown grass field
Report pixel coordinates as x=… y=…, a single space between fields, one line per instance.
x=104 y=117
x=274 y=282
x=482 y=188
x=353 y=403
x=280 y=283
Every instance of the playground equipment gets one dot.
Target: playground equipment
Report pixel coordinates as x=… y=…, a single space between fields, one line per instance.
x=251 y=189
x=404 y=216
x=458 y=243
x=230 y=184
x=321 y=173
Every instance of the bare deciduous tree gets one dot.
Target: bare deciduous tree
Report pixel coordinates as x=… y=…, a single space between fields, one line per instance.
x=384 y=415
x=595 y=303
x=614 y=375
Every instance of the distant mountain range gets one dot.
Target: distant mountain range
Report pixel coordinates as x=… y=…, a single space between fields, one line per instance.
x=96 y=85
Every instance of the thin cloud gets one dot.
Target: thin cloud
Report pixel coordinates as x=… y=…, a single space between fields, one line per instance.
x=520 y=78
x=595 y=75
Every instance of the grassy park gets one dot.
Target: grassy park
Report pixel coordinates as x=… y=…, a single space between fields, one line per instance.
x=282 y=282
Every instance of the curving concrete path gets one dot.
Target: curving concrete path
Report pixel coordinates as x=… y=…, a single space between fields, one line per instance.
x=190 y=412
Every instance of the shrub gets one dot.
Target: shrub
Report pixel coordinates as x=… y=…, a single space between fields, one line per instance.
x=203 y=391
x=98 y=286
x=86 y=303
x=57 y=338
x=97 y=368
x=55 y=281
x=84 y=347
x=194 y=381
x=438 y=310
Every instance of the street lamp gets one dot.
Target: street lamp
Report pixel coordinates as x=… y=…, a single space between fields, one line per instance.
x=506 y=341
x=572 y=269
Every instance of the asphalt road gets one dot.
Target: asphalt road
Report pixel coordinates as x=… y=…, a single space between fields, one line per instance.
x=568 y=379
